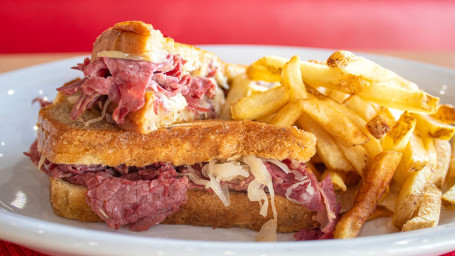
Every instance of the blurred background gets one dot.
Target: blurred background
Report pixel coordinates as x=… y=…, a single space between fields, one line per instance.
x=29 y=26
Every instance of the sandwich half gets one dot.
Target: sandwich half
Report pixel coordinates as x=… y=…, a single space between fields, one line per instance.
x=205 y=173
x=145 y=81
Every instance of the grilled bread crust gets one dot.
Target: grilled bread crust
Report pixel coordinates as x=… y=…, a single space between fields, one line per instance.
x=201 y=209
x=63 y=140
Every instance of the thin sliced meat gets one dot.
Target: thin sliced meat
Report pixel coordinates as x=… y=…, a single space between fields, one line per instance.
x=126 y=81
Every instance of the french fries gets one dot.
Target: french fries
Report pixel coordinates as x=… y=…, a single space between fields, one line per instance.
x=452 y=161
x=400 y=98
x=372 y=145
x=337 y=179
x=292 y=77
x=445 y=114
x=401 y=132
x=427 y=125
x=377 y=178
x=448 y=199
x=287 y=115
x=385 y=92
x=336 y=95
x=443 y=151
x=361 y=107
x=429 y=210
x=349 y=103
x=359 y=66
x=260 y=104
x=356 y=155
x=386 y=115
x=334 y=121
x=415 y=157
x=241 y=86
x=268 y=68
x=377 y=127
x=326 y=148
x=410 y=196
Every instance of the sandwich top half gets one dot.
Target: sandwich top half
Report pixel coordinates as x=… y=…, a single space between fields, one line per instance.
x=145 y=81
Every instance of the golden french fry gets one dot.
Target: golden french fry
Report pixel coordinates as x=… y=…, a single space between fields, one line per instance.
x=336 y=95
x=429 y=210
x=316 y=74
x=292 y=78
x=356 y=155
x=260 y=104
x=431 y=151
x=359 y=66
x=287 y=114
x=240 y=87
x=377 y=178
x=379 y=212
x=361 y=107
x=386 y=115
x=410 y=196
x=415 y=157
x=390 y=93
x=373 y=146
x=452 y=161
x=398 y=137
x=337 y=179
x=268 y=68
x=429 y=126
x=334 y=121
x=326 y=147
x=445 y=114
x=377 y=127
x=448 y=198
x=443 y=152
x=400 y=98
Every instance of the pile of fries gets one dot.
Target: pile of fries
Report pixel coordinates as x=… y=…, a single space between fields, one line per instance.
x=373 y=128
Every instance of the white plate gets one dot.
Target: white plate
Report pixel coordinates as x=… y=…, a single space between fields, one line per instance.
x=26 y=217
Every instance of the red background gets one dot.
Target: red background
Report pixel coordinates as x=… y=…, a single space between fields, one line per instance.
x=71 y=26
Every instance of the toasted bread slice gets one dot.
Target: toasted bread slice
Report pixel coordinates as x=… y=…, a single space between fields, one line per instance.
x=138 y=40
x=63 y=140
x=201 y=209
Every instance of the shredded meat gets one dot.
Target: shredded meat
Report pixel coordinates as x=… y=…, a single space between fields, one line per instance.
x=126 y=81
x=137 y=197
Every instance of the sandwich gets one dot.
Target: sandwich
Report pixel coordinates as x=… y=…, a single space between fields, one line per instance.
x=206 y=173
x=142 y=80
